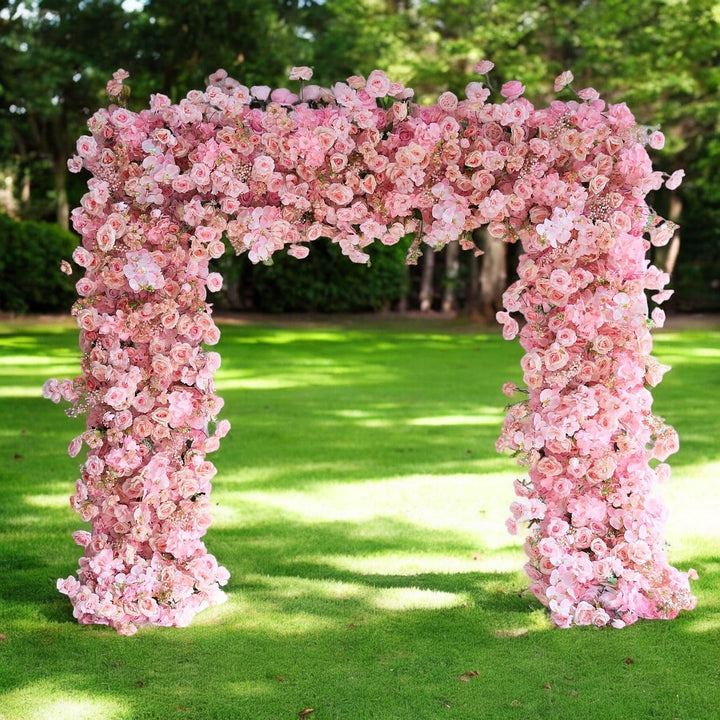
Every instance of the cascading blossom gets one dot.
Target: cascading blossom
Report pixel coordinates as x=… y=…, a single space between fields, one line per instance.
x=270 y=169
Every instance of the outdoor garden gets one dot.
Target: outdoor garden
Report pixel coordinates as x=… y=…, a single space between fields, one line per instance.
x=385 y=396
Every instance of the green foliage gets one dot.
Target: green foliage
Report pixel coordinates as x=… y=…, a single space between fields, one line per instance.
x=661 y=57
x=30 y=278
x=360 y=507
x=326 y=281
x=697 y=277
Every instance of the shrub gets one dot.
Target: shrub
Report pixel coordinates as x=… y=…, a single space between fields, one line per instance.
x=326 y=281
x=30 y=277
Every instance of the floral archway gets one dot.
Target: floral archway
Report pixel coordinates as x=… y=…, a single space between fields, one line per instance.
x=273 y=169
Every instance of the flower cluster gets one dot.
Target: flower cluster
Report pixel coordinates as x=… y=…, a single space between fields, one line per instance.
x=594 y=450
x=359 y=162
x=147 y=388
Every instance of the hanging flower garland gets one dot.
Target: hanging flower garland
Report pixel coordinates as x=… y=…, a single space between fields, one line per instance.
x=271 y=169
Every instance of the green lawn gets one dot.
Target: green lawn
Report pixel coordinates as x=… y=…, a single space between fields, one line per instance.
x=360 y=508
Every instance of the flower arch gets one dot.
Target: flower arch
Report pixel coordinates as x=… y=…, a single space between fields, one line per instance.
x=270 y=170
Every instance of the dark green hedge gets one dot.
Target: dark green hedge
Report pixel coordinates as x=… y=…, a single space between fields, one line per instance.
x=327 y=281
x=30 y=277
x=697 y=276
x=324 y=282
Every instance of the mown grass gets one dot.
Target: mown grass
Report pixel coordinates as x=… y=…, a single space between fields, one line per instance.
x=360 y=508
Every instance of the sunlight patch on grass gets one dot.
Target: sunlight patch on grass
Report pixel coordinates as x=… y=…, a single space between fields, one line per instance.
x=266 y=615
x=43 y=700
x=413 y=598
x=489 y=417
x=47 y=501
x=16 y=391
x=301 y=377
x=361 y=418
x=44 y=362
x=708 y=625
x=273 y=614
x=451 y=502
x=397 y=564
x=415 y=563
x=249 y=688
x=290 y=587
x=258 y=383
x=693 y=500
x=281 y=605
x=278 y=336
x=280 y=622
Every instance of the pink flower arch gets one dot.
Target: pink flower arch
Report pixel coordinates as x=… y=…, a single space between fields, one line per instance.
x=360 y=163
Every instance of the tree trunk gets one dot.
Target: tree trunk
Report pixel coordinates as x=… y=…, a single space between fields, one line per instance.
x=472 y=301
x=493 y=274
x=452 y=269
x=427 y=285
x=62 y=203
x=668 y=258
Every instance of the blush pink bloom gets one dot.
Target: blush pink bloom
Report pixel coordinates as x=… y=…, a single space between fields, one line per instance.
x=301 y=72
x=378 y=84
x=656 y=140
x=673 y=182
x=563 y=80
x=512 y=89
x=483 y=67
x=142 y=272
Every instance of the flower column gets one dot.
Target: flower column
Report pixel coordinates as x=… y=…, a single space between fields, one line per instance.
x=147 y=386
x=586 y=432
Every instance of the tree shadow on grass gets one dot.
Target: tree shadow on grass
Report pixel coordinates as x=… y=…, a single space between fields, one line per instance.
x=272 y=652
x=354 y=619
x=315 y=619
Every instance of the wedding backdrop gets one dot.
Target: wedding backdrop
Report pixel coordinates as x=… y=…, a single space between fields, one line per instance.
x=358 y=163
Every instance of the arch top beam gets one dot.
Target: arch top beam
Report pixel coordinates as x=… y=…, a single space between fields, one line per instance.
x=361 y=163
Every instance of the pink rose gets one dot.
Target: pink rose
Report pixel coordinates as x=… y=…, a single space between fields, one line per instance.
x=212 y=336
x=598 y=183
x=639 y=552
x=448 y=102
x=339 y=194
x=588 y=94
x=148 y=607
x=260 y=92
x=299 y=252
x=673 y=182
x=510 y=325
x=512 y=89
x=476 y=92
x=656 y=140
x=667 y=443
x=75 y=164
x=602 y=345
x=87 y=147
x=377 y=85
x=483 y=67
x=556 y=357
x=584 y=613
x=301 y=72
x=214 y=282
x=85 y=287
x=263 y=167
x=563 y=80
x=75 y=446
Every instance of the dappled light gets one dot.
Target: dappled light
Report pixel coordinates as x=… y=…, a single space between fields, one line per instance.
x=46 y=699
x=363 y=558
